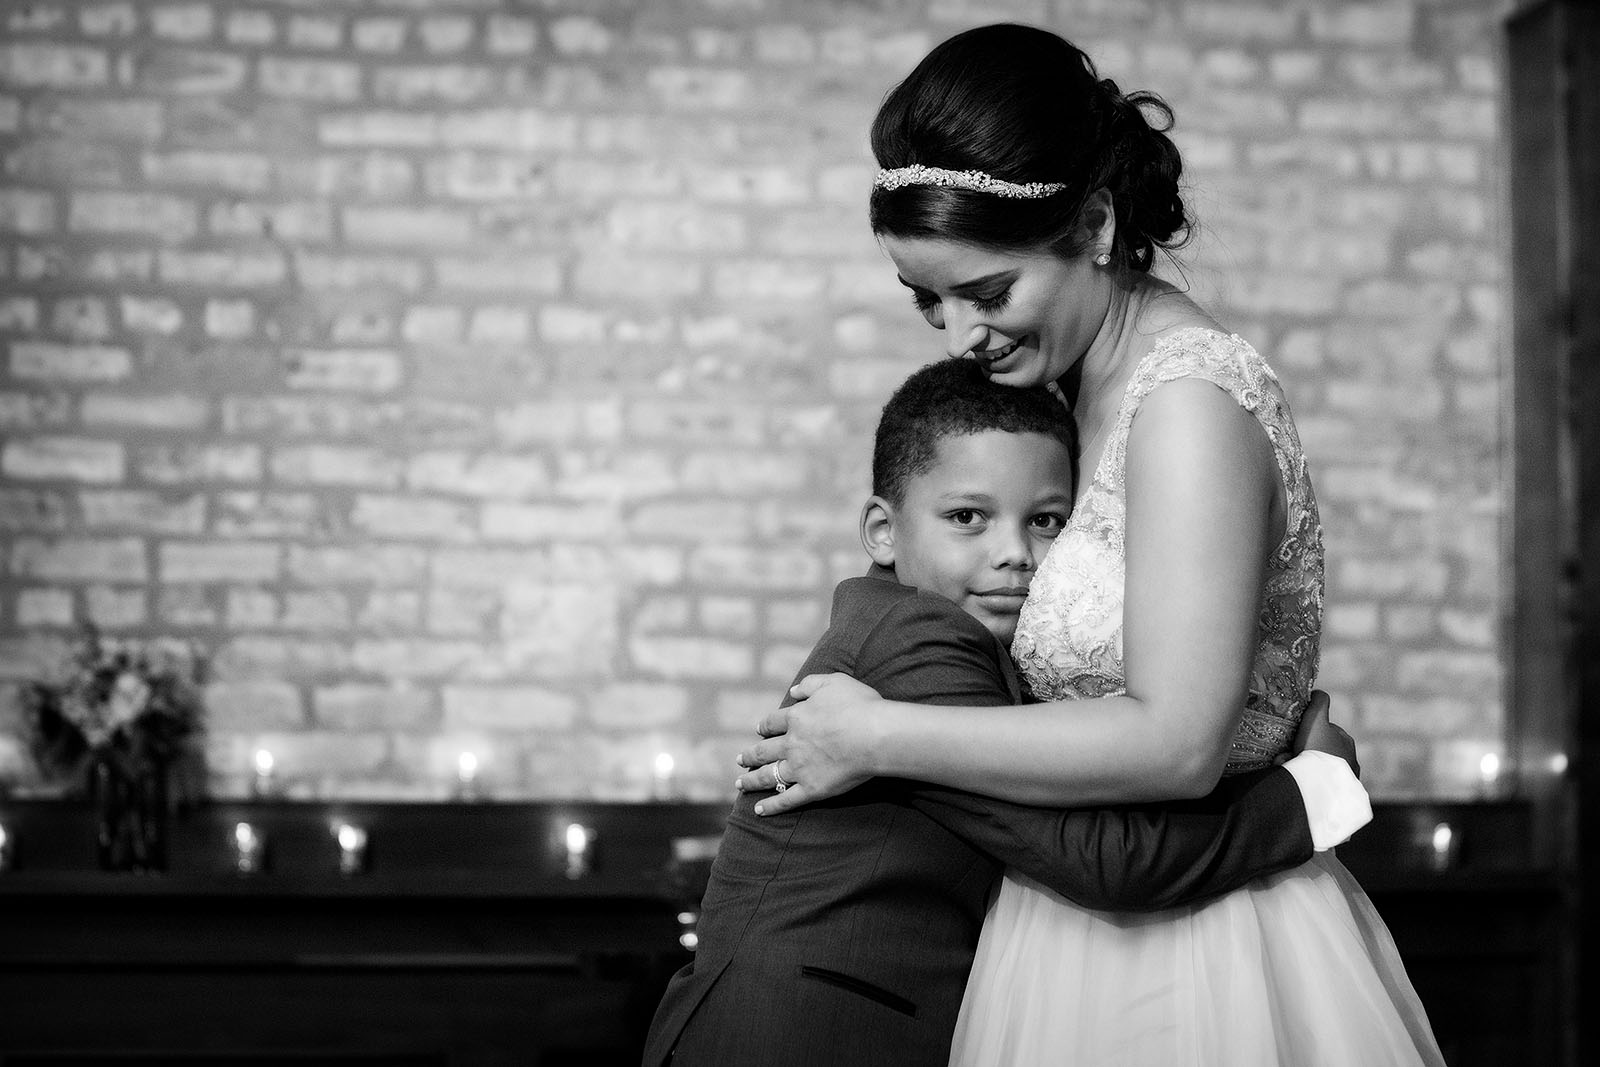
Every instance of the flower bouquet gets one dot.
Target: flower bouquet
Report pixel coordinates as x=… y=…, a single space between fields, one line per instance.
x=116 y=720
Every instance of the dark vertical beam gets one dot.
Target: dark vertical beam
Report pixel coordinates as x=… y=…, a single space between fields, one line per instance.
x=1583 y=126
x=1554 y=625
x=1543 y=555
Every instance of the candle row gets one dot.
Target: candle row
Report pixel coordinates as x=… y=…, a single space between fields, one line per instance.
x=663 y=781
x=264 y=783
x=249 y=848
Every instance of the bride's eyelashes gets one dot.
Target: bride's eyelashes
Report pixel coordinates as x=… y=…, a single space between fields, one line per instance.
x=927 y=303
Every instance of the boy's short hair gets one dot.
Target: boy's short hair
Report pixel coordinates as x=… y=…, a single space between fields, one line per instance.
x=953 y=398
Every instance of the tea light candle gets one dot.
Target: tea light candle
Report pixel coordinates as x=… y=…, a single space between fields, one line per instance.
x=249 y=848
x=661 y=784
x=352 y=848
x=1488 y=772
x=688 y=929
x=580 y=849
x=467 y=775
x=1445 y=846
x=262 y=786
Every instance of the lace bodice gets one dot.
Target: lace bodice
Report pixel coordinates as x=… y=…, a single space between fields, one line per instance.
x=1069 y=637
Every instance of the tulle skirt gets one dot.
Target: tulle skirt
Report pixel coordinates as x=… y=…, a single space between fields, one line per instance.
x=1294 y=970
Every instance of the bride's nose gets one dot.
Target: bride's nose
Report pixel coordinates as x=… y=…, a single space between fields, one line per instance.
x=961 y=338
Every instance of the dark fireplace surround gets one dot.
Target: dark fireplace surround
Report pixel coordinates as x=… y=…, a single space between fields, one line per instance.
x=475 y=934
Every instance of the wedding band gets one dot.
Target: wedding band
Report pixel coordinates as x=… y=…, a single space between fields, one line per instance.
x=777 y=779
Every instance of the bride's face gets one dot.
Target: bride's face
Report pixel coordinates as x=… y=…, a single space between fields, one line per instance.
x=1026 y=317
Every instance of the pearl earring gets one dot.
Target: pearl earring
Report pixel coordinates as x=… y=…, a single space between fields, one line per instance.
x=1103 y=259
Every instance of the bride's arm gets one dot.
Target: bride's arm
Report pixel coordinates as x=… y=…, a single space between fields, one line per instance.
x=1200 y=489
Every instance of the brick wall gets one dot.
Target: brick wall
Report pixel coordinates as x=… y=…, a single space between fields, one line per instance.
x=499 y=376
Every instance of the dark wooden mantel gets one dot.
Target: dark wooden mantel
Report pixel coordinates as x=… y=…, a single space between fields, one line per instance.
x=466 y=943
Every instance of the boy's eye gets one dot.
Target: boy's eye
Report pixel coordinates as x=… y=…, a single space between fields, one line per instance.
x=1049 y=523
x=964 y=516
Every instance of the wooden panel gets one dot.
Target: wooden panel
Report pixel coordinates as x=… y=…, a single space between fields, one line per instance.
x=465 y=943
x=466 y=952
x=1540 y=673
x=1554 y=676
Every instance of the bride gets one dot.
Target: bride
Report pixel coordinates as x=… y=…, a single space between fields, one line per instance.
x=1022 y=200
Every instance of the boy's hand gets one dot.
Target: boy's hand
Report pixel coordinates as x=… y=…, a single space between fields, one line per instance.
x=1316 y=732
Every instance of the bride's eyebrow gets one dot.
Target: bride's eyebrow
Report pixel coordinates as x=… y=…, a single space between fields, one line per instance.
x=973 y=285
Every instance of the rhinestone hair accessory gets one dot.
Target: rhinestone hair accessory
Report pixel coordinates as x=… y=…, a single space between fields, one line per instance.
x=976 y=180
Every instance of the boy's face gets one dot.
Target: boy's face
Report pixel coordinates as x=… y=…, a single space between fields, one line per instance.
x=974 y=527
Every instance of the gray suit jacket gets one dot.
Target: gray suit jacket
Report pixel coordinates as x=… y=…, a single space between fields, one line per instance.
x=842 y=933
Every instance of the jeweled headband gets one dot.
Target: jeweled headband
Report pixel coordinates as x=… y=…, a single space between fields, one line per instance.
x=976 y=180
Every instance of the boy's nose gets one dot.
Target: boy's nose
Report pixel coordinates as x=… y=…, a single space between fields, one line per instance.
x=1014 y=550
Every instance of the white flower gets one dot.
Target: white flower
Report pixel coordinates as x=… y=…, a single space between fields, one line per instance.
x=130 y=695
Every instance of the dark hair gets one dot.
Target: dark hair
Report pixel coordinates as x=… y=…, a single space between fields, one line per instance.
x=1025 y=105
x=952 y=398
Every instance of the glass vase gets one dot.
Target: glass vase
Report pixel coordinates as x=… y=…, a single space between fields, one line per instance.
x=130 y=805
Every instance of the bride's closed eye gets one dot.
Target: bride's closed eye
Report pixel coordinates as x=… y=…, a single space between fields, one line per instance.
x=928 y=304
x=987 y=305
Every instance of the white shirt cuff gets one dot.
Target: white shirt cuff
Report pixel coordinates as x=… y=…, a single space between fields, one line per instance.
x=1336 y=802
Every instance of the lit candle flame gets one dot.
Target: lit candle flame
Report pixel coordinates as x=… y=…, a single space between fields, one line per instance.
x=264 y=762
x=351 y=838
x=467 y=766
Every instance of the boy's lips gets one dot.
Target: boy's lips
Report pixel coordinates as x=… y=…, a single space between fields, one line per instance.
x=1004 y=593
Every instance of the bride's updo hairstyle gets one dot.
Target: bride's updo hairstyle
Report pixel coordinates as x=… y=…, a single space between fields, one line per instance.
x=1024 y=105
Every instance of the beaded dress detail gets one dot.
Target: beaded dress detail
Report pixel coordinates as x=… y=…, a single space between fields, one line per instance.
x=1291 y=969
x=1069 y=636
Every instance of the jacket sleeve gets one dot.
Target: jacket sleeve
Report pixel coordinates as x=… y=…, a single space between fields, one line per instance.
x=1125 y=858
x=1138 y=857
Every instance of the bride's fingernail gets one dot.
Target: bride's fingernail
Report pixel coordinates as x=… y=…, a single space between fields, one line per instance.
x=738 y=783
x=760 y=810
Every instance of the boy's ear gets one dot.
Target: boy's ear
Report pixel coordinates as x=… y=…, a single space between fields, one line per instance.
x=877 y=530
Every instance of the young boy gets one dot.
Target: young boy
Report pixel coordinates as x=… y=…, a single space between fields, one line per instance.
x=842 y=933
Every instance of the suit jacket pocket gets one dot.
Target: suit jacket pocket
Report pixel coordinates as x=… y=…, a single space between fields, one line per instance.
x=892 y=1001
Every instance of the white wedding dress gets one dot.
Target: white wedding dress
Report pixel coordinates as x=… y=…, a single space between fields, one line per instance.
x=1293 y=970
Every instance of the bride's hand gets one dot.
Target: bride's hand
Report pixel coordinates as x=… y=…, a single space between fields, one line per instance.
x=1317 y=733
x=822 y=744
